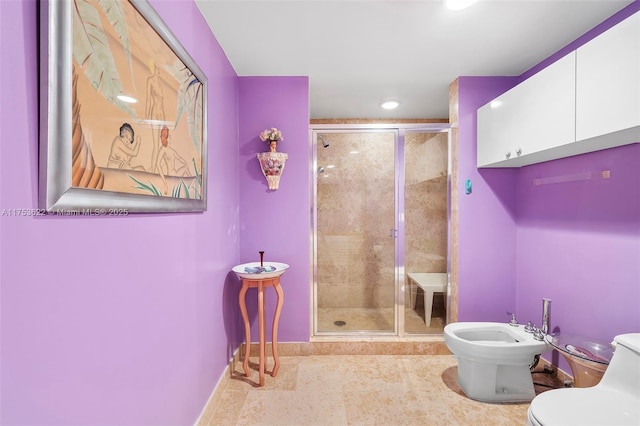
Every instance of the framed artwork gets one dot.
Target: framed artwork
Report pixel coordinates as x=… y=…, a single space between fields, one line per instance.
x=123 y=111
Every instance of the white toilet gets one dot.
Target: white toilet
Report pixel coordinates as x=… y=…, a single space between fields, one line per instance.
x=613 y=401
x=494 y=360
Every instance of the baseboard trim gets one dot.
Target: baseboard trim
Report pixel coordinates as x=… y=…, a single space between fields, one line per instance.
x=216 y=394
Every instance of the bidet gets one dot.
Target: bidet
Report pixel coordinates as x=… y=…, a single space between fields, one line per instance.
x=494 y=360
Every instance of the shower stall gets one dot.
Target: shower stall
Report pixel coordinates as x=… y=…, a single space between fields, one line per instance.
x=380 y=217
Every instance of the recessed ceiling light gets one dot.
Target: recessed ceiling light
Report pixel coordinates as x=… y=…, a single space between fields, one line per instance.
x=458 y=4
x=389 y=104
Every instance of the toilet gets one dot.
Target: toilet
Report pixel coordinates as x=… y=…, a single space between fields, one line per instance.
x=494 y=360
x=615 y=400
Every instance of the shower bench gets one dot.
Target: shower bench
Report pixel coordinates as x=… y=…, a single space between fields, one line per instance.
x=430 y=283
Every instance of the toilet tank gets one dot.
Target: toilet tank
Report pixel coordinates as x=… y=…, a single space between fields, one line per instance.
x=623 y=372
x=630 y=341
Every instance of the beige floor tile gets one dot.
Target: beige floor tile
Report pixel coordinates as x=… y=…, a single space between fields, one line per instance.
x=299 y=407
x=372 y=371
x=227 y=412
x=378 y=406
x=359 y=390
x=284 y=380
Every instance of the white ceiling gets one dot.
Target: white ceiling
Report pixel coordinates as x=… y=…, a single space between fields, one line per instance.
x=360 y=53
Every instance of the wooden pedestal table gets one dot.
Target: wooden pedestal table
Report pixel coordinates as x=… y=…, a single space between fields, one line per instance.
x=260 y=284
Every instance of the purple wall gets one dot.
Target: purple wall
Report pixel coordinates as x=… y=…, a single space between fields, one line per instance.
x=577 y=243
x=277 y=221
x=114 y=320
x=487 y=219
x=592 y=33
x=133 y=320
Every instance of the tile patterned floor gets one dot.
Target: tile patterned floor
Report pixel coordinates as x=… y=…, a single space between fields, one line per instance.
x=357 y=390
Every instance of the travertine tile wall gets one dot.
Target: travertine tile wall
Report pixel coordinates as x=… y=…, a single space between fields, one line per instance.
x=426 y=202
x=356 y=212
x=453 y=284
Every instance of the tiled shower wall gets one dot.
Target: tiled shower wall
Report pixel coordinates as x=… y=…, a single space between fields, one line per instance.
x=426 y=202
x=356 y=211
x=355 y=215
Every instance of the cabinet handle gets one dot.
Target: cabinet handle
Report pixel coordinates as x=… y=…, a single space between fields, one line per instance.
x=508 y=155
x=518 y=152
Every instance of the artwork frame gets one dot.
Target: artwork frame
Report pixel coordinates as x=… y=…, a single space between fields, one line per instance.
x=91 y=159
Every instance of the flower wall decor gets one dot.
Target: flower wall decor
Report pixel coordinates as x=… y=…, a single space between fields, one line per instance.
x=271 y=135
x=272 y=162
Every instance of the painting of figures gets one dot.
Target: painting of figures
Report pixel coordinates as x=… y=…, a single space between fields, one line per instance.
x=137 y=119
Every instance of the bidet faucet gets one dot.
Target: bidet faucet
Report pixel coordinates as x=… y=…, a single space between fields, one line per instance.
x=513 y=321
x=538 y=334
x=546 y=313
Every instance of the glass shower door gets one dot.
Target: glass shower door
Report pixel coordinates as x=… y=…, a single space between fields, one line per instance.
x=425 y=231
x=355 y=244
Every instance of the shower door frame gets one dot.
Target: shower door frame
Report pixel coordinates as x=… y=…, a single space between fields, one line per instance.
x=399 y=130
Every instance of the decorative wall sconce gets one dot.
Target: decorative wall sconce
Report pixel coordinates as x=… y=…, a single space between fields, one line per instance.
x=272 y=162
x=272 y=165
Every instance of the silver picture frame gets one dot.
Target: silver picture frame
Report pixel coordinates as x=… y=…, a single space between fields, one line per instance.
x=58 y=192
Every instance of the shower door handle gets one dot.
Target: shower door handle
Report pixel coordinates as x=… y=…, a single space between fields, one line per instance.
x=393 y=233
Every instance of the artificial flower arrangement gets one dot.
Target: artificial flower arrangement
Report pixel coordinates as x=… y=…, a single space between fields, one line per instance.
x=271 y=134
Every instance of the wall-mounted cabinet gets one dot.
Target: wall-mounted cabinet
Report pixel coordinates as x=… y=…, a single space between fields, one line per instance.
x=496 y=129
x=538 y=114
x=586 y=101
x=608 y=82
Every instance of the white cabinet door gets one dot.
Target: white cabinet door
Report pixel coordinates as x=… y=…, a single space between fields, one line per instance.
x=608 y=83
x=546 y=113
x=525 y=124
x=496 y=130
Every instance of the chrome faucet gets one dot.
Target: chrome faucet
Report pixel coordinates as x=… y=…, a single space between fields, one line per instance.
x=546 y=312
x=513 y=321
x=538 y=334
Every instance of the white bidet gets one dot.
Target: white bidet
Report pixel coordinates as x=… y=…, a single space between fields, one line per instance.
x=494 y=360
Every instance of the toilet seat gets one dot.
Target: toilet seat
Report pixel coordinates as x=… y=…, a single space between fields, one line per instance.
x=584 y=407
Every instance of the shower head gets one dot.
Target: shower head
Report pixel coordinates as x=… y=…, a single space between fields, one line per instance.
x=325 y=144
x=320 y=171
